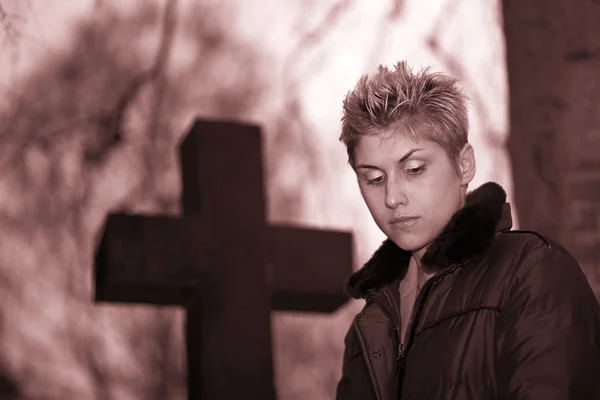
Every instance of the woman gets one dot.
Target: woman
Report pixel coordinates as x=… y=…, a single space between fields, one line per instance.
x=458 y=306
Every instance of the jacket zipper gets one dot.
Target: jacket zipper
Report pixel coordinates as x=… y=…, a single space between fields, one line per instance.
x=419 y=303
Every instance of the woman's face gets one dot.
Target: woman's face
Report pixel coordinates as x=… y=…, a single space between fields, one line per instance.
x=412 y=189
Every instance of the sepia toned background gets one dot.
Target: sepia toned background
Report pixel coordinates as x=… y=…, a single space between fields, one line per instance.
x=95 y=97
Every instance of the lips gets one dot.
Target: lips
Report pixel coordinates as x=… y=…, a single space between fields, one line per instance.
x=403 y=222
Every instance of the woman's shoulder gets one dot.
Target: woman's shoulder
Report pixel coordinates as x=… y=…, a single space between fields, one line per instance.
x=524 y=244
x=535 y=257
x=529 y=255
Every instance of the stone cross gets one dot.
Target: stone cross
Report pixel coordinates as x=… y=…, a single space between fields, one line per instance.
x=224 y=263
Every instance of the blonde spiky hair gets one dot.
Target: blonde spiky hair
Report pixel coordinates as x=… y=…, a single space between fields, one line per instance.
x=424 y=105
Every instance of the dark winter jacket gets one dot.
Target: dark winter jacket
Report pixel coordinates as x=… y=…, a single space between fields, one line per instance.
x=508 y=315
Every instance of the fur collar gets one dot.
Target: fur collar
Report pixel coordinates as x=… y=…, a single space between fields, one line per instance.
x=464 y=240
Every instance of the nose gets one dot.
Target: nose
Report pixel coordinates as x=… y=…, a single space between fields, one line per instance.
x=395 y=194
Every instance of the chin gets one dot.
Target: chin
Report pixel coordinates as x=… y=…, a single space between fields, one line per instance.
x=411 y=244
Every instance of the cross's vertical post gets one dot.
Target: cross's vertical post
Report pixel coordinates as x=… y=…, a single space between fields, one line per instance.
x=229 y=327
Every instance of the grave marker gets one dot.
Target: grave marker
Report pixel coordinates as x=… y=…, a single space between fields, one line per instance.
x=224 y=263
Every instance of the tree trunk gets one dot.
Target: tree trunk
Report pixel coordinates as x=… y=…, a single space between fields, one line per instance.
x=553 y=62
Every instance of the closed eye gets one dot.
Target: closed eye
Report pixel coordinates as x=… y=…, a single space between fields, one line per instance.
x=415 y=171
x=375 y=181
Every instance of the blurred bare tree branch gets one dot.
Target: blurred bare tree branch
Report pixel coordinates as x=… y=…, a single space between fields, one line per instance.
x=315 y=36
x=155 y=120
x=112 y=122
x=291 y=127
x=456 y=68
x=7 y=24
x=396 y=11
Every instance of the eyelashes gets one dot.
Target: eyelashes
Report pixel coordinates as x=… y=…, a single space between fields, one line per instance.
x=375 y=181
x=415 y=171
x=411 y=172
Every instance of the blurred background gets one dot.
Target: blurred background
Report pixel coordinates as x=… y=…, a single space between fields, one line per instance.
x=95 y=96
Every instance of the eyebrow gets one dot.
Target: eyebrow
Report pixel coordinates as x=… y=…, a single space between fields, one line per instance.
x=402 y=159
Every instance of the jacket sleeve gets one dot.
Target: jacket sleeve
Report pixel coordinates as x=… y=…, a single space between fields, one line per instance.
x=355 y=382
x=549 y=331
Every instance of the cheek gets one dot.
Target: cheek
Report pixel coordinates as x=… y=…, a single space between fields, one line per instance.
x=374 y=200
x=437 y=196
x=368 y=196
x=449 y=200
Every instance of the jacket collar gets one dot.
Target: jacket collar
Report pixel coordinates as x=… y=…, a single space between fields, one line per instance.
x=464 y=240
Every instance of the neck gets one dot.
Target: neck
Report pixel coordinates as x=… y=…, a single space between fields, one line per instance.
x=420 y=273
x=416 y=259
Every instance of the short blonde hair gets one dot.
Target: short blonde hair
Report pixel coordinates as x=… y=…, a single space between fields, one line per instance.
x=402 y=101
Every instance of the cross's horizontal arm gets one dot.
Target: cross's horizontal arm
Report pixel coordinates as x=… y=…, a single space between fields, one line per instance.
x=305 y=267
x=139 y=260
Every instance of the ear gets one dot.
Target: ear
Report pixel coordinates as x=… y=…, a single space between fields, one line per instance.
x=466 y=164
